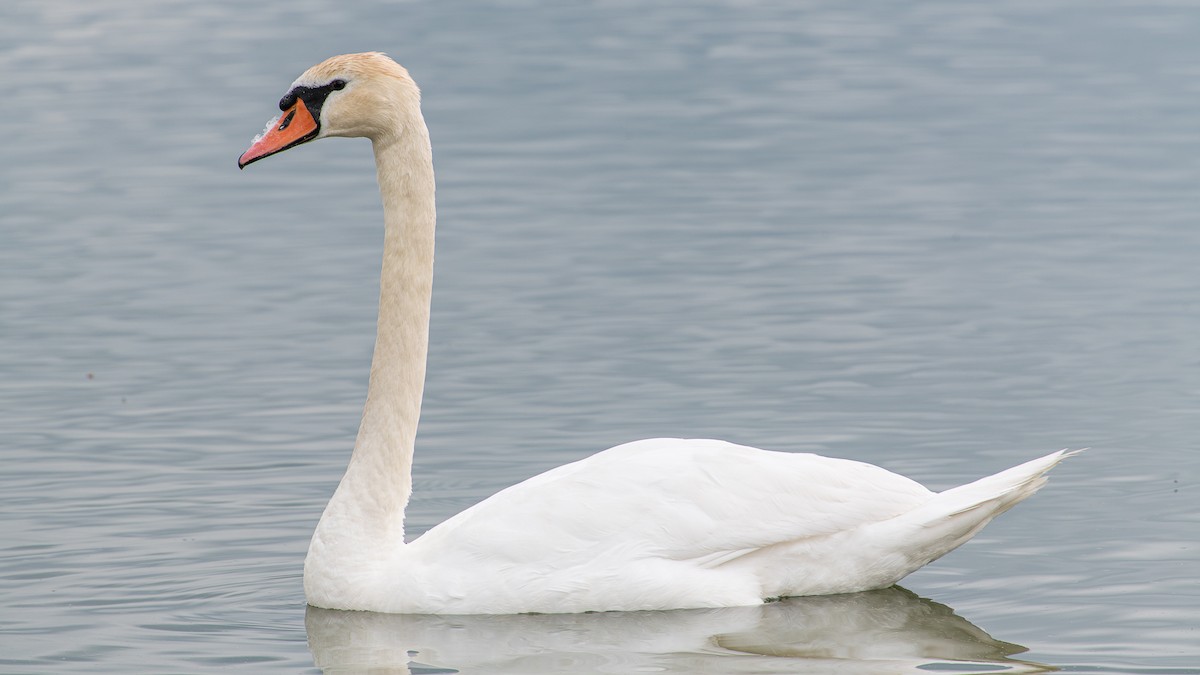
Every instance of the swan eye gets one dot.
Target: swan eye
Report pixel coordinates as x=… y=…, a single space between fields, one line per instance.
x=287 y=120
x=337 y=85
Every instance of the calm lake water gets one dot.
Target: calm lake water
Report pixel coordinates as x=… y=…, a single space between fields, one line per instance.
x=941 y=237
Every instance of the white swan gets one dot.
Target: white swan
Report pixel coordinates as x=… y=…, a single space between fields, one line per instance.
x=655 y=524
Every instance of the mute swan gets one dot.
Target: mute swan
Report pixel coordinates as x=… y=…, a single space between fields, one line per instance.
x=653 y=524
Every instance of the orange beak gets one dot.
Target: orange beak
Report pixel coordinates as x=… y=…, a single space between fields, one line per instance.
x=295 y=126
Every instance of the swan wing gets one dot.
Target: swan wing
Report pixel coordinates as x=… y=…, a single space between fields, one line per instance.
x=703 y=501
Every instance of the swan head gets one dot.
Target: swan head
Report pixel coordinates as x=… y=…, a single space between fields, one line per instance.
x=352 y=95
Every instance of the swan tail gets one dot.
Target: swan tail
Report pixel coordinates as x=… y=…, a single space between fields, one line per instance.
x=1002 y=491
x=881 y=553
x=952 y=517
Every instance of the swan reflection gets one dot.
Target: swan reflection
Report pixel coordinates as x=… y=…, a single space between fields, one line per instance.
x=887 y=631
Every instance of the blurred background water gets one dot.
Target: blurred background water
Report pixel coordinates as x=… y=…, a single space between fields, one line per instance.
x=941 y=237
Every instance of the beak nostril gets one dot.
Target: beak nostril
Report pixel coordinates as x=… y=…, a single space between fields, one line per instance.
x=287 y=120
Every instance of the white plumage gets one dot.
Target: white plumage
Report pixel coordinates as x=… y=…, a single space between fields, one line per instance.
x=654 y=524
x=669 y=523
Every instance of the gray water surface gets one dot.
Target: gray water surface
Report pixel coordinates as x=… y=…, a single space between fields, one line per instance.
x=941 y=237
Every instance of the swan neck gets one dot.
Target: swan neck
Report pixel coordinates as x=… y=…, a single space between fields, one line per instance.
x=370 y=501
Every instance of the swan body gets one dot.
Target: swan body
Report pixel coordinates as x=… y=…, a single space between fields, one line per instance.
x=654 y=524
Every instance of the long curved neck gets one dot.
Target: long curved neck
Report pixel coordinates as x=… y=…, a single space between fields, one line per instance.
x=368 y=507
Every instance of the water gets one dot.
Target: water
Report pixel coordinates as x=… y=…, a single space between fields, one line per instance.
x=937 y=236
